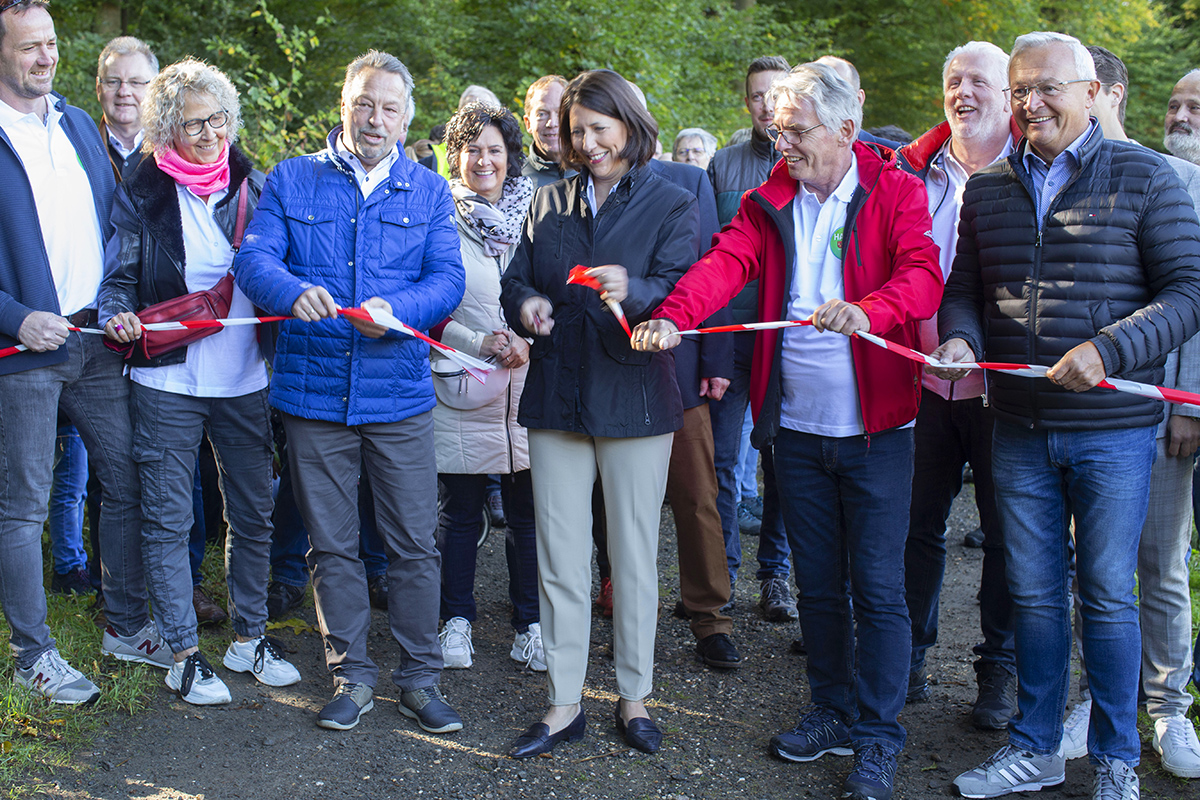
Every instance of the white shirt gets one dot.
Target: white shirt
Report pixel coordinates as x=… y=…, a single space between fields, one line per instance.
x=368 y=181
x=228 y=363
x=122 y=150
x=820 y=393
x=944 y=183
x=66 y=210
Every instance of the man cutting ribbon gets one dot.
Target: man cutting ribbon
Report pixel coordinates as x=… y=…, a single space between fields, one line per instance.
x=839 y=410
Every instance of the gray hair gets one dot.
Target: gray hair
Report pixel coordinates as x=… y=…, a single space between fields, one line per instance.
x=478 y=94
x=377 y=59
x=162 y=109
x=1085 y=67
x=410 y=110
x=707 y=139
x=126 y=46
x=985 y=49
x=832 y=97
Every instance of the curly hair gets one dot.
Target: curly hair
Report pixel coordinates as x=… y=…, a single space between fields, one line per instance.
x=162 y=108
x=467 y=125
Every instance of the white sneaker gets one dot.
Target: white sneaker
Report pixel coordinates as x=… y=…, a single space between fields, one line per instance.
x=1175 y=740
x=527 y=648
x=57 y=681
x=196 y=682
x=1075 y=730
x=262 y=658
x=145 y=647
x=455 y=639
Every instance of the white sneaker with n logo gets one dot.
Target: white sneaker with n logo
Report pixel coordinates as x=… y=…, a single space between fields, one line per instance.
x=145 y=646
x=1011 y=770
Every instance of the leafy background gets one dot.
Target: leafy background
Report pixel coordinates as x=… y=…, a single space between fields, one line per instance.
x=689 y=56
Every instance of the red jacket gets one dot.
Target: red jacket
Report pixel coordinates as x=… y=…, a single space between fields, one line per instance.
x=890 y=270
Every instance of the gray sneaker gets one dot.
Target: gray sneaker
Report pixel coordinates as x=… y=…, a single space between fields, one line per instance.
x=57 y=681
x=430 y=709
x=1011 y=770
x=776 y=601
x=350 y=701
x=748 y=524
x=1115 y=780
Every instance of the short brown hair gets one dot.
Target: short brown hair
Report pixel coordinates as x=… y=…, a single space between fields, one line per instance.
x=542 y=83
x=607 y=93
x=20 y=7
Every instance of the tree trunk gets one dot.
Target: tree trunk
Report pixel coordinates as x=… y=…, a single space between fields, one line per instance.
x=108 y=18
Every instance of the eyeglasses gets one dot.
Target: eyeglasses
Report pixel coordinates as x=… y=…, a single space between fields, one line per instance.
x=684 y=152
x=218 y=120
x=114 y=84
x=1046 y=91
x=791 y=137
x=7 y=4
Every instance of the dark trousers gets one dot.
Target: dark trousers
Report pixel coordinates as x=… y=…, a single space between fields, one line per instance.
x=948 y=435
x=459 y=535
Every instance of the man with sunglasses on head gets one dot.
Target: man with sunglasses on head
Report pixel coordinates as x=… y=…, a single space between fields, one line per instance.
x=1080 y=254
x=58 y=197
x=840 y=236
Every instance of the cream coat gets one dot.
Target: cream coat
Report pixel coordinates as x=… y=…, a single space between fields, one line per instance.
x=485 y=440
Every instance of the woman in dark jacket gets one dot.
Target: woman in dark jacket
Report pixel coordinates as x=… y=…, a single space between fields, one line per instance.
x=175 y=220
x=594 y=407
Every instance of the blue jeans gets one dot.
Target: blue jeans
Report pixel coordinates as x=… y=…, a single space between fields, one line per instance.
x=166 y=438
x=68 y=497
x=727 y=417
x=289 y=542
x=840 y=498
x=948 y=435
x=747 y=467
x=465 y=497
x=1103 y=477
x=94 y=394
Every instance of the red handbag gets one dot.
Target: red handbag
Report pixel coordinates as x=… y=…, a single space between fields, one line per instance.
x=208 y=304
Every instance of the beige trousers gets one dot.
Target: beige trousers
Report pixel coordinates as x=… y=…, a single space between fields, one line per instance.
x=633 y=472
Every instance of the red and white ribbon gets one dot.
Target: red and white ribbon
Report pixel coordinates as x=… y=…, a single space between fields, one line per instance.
x=475 y=367
x=1177 y=396
x=579 y=275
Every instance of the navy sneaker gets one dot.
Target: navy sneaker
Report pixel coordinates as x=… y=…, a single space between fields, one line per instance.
x=431 y=711
x=873 y=774
x=819 y=732
x=350 y=701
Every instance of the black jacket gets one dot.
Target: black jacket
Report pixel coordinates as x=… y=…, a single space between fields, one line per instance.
x=1117 y=264
x=144 y=261
x=584 y=377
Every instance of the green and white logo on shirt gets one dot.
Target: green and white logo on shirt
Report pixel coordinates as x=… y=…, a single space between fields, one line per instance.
x=835 y=242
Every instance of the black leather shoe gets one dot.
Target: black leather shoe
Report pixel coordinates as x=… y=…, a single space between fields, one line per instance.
x=718 y=650
x=641 y=733
x=538 y=739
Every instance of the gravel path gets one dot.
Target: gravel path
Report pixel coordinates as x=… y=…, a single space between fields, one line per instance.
x=264 y=745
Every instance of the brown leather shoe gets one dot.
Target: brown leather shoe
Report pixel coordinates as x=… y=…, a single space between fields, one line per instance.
x=207 y=610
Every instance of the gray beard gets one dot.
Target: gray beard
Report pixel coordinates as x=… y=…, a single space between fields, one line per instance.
x=1183 y=145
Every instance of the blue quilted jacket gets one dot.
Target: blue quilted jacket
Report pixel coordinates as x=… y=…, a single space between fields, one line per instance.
x=313 y=228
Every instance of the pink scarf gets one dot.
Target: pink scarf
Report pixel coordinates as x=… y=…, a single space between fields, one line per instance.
x=203 y=179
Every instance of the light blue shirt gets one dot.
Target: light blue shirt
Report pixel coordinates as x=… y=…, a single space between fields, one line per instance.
x=1049 y=179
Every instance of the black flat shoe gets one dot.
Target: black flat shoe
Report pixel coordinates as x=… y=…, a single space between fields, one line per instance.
x=641 y=733
x=538 y=739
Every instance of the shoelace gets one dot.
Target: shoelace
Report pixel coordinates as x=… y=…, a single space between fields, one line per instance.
x=775 y=591
x=426 y=695
x=267 y=647
x=55 y=664
x=817 y=721
x=455 y=639
x=1115 y=783
x=872 y=761
x=532 y=645
x=345 y=688
x=195 y=661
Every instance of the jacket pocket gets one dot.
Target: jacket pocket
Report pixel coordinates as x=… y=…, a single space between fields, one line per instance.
x=312 y=236
x=402 y=233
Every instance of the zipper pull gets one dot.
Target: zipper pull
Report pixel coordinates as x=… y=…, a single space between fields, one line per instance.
x=1039 y=238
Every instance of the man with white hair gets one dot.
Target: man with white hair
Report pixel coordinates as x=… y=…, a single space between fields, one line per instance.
x=124 y=70
x=1182 y=124
x=841 y=237
x=1082 y=255
x=954 y=425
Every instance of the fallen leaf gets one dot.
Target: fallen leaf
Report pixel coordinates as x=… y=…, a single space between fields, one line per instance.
x=296 y=626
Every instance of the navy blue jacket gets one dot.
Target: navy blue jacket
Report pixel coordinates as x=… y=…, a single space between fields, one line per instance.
x=26 y=284
x=700 y=356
